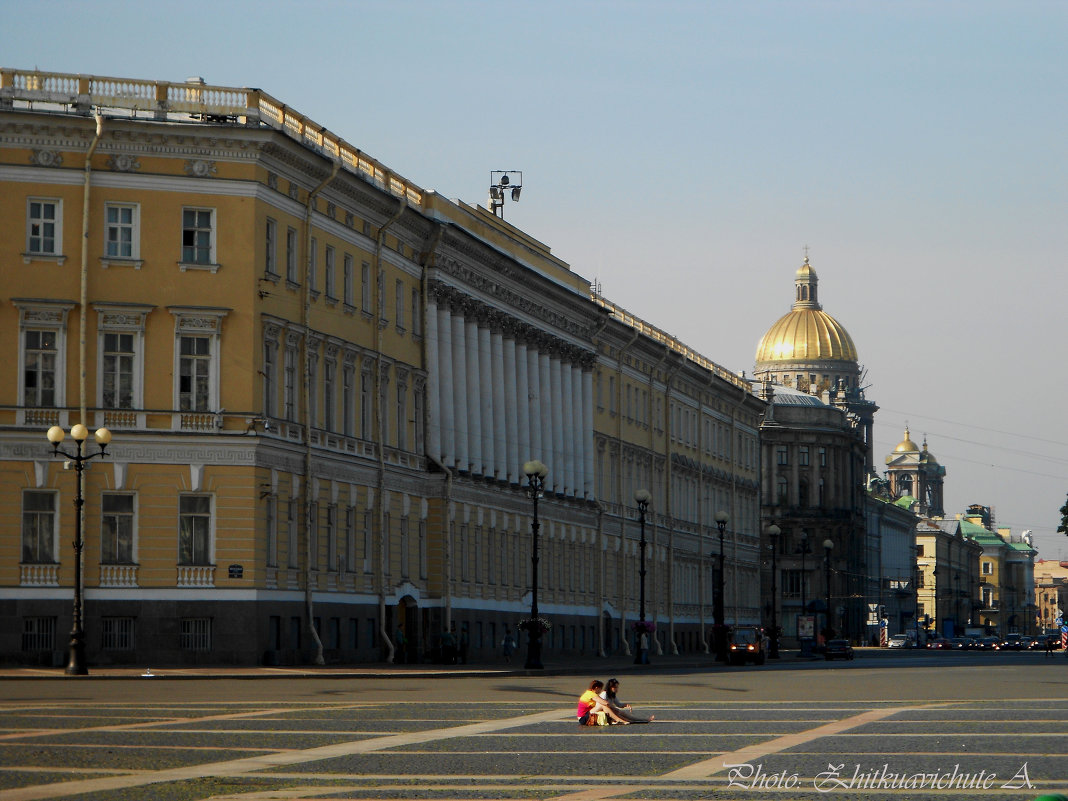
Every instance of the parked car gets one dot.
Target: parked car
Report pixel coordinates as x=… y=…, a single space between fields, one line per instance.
x=937 y=643
x=837 y=649
x=990 y=644
x=899 y=641
x=956 y=643
x=1011 y=642
x=747 y=644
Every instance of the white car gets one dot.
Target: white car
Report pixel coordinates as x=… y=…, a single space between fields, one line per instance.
x=899 y=641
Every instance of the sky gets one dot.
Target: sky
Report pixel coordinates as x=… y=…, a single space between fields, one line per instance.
x=683 y=154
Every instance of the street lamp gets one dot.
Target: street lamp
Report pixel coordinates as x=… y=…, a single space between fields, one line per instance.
x=828 y=546
x=773 y=535
x=642 y=498
x=76 y=665
x=720 y=636
x=535 y=472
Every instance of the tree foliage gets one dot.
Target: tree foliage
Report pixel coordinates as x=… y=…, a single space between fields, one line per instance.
x=1063 y=527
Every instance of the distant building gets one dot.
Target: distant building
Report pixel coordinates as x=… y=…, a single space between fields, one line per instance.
x=916 y=473
x=1051 y=593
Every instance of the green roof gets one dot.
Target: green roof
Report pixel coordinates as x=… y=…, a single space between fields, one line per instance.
x=905 y=501
x=983 y=536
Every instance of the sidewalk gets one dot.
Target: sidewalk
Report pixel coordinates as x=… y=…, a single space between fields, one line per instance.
x=592 y=666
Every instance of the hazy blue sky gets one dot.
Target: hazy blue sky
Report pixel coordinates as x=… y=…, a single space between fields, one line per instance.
x=683 y=153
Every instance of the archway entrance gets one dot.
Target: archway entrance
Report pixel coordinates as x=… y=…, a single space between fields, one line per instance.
x=409 y=635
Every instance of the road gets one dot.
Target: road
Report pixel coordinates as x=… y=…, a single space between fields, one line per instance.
x=887 y=726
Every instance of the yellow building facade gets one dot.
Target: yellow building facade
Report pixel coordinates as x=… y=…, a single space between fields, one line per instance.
x=322 y=383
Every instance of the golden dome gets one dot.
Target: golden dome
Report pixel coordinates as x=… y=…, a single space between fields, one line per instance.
x=806 y=333
x=906 y=445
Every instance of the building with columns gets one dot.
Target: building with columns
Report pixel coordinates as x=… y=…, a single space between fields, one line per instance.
x=322 y=382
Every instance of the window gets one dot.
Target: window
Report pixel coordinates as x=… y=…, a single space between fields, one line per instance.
x=417 y=408
x=402 y=417
x=350 y=539
x=289 y=377
x=270 y=377
x=802 y=456
x=118 y=371
x=291 y=257
x=823 y=457
x=988 y=568
x=196 y=358
x=365 y=288
x=39 y=368
x=399 y=301
x=195 y=634
x=198 y=240
x=782 y=455
x=270 y=262
x=194 y=365
x=291 y=533
x=348 y=290
x=117 y=633
x=121 y=234
x=791 y=583
x=331 y=287
x=348 y=399
x=329 y=393
x=313 y=265
x=194 y=530
x=38 y=528
x=38 y=633
x=781 y=493
x=44 y=227
x=417 y=315
x=117 y=529
x=366 y=387
x=271 y=512
x=331 y=538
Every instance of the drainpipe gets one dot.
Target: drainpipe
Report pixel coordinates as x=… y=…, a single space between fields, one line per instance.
x=305 y=413
x=85 y=268
x=380 y=427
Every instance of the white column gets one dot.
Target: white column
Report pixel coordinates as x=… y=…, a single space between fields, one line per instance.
x=588 y=487
x=459 y=389
x=474 y=412
x=536 y=446
x=513 y=458
x=545 y=415
x=500 y=441
x=567 y=435
x=433 y=381
x=578 y=429
x=443 y=323
x=485 y=400
x=556 y=402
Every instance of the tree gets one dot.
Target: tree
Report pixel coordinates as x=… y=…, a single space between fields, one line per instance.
x=1063 y=527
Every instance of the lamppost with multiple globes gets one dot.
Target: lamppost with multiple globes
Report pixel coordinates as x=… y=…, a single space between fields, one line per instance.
x=773 y=536
x=535 y=472
x=804 y=548
x=642 y=498
x=720 y=632
x=76 y=664
x=828 y=546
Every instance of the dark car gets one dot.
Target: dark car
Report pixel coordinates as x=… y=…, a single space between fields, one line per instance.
x=747 y=644
x=990 y=643
x=1011 y=642
x=838 y=649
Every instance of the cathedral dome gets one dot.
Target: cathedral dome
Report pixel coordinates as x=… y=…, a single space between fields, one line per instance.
x=807 y=333
x=907 y=445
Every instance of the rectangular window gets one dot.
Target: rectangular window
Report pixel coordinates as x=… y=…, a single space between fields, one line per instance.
x=331 y=538
x=270 y=377
x=270 y=261
x=194 y=369
x=402 y=417
x=271 y=512
x=329 y=394
x=39 y=369
x=365 y=287
x=117 y=529
x=289 y=389
x=802 y=456
x=291 y=533
x=782 y=455
x=399 y=300
x=366 y=386
x=38 y=633
x=198 y=241
x=44 y=227
x=121 y=240
x=791 y=583
x=350 y=539
x=331 y=287
x=313 y=265
x=822 y=453
x=118 y=371
x=417 y=400
x=291 y=256
x=194 y=530
x=195 y=634
x=348 y=400
x=38 y=528
x=117 y=633
x=988 y=568
x=347 y=279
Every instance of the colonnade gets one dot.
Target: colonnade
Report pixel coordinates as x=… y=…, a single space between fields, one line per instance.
x=500 y=393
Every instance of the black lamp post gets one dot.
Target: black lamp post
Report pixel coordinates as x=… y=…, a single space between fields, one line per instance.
x=720 y=635
x=773 y=646
x=76 y=664
x=642 y=498
x=828 y=546
x=535 y=472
